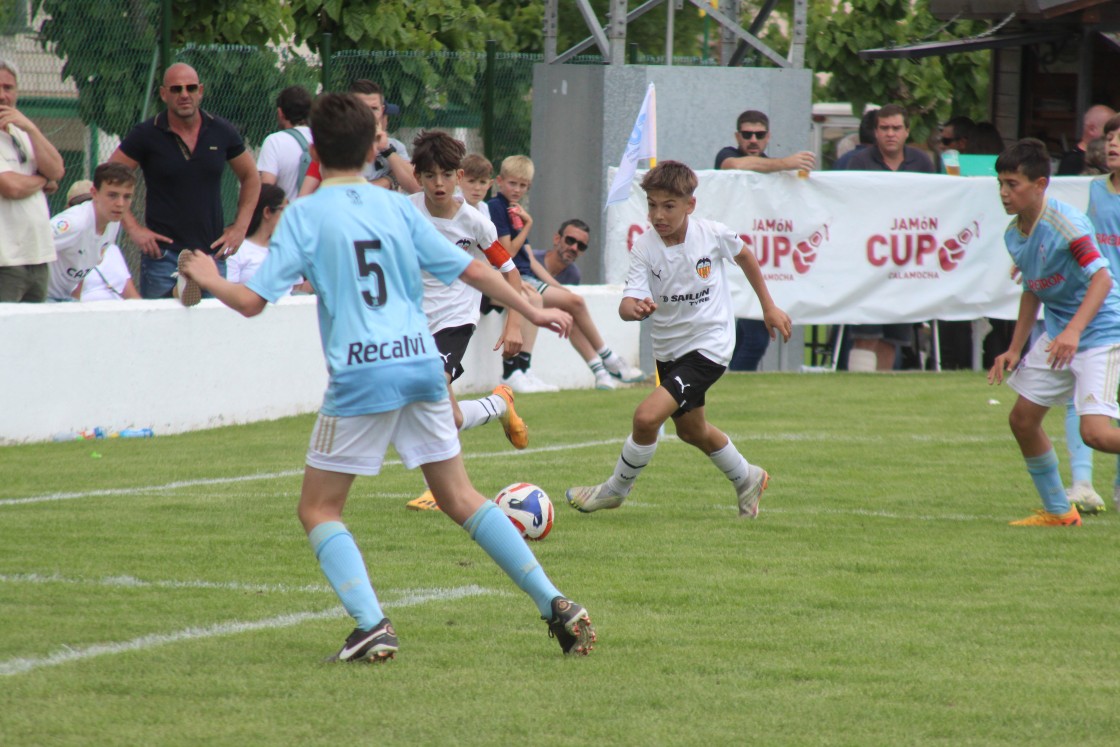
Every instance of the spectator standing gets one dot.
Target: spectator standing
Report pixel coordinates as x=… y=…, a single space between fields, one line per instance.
x=83 y=233
x=30 y=169
x=875 y=347
x=955 y=134
x=567 y=245
x=752 y=135
x=1092 y=126
x=391 y=167
x=286 y=155
x=183 y=152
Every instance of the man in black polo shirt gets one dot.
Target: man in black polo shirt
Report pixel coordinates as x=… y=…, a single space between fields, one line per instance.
x=183 y=152
x=876 y=346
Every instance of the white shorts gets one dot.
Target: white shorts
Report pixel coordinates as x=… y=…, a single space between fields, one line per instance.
x=421 y=432
x=1091 y=379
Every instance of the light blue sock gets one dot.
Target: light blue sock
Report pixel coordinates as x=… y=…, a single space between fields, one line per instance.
x=495 y=533
x=1044 y=471
x=1080 y=455
x=344 y=568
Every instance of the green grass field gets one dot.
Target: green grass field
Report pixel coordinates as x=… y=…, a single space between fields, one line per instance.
x=162 y=593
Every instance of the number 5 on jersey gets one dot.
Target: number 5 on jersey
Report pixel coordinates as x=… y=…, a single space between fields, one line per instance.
x=367 y=268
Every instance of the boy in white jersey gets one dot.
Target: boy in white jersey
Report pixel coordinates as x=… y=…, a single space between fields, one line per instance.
x=82 y=233
x=363 y=249
x=453 y=310
x=681 y=265
x=1053 y=246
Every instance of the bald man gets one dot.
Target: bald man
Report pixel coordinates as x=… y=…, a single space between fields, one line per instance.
x=183 y=152
x=1092 y=127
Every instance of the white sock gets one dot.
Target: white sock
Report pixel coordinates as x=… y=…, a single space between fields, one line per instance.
x=596 y=366
x=630 y=464
x=478 y=412
x=731 y=463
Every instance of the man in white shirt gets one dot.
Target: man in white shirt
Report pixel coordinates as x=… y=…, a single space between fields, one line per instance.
x=30 y=169
x=285 y=155
x=84 y=232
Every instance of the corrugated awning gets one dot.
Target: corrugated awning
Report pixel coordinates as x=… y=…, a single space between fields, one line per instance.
x=976 y=44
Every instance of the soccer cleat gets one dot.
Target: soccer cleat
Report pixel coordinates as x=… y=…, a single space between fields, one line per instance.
x=593 y=498
x=571 y=627
x=377 y=645
x=751 y=490
x=1042 y=518
x=188 y=291
x=1084 y=498
x=620 y=369
x=604 y=381
x=426 y=502
x=516 y=430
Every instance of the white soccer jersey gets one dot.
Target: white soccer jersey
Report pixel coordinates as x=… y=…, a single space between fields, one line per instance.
x=79 y=248
x=688 y=284
x=457 y=304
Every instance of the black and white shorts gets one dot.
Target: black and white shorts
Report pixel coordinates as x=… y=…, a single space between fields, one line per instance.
x=451 y=342
x=688 y=379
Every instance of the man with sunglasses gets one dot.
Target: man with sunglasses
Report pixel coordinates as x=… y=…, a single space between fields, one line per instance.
x=183 y=152
x=955 y=133
x=567 y=245
x=29 y=167
x=752 y=135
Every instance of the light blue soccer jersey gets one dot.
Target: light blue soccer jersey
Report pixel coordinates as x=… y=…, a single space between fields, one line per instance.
x=362 y=248
x=1057 y=260
x=1104 y=212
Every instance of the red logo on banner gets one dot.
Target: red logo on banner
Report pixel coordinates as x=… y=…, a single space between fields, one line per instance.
x=775 y=250
x=952 y=251
x=633 y=232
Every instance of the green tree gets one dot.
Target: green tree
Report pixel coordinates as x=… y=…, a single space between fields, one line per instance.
x=931 y=88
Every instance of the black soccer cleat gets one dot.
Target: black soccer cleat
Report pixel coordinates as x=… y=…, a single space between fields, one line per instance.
x=571 y=627
x=377 y=645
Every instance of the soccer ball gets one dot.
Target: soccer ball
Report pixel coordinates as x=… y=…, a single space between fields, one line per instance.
x=528 y=507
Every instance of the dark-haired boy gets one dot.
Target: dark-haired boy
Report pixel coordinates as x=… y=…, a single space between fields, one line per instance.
x=453 y=310
x=1062 y=268
x=681 y=263
x=363 y=249
x=82 y=233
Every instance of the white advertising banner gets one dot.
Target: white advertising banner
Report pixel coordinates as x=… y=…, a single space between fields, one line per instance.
x=858 y=247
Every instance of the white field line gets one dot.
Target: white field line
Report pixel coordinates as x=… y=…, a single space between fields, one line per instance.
x=131 y=582
x=67 y=654
x=505 y=454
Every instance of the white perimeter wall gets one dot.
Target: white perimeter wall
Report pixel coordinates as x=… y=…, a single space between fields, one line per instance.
x=154 y=364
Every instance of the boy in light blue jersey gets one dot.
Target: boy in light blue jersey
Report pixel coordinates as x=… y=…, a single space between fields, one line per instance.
x=1062 y=268
x=363 y=249
x=1104 y=212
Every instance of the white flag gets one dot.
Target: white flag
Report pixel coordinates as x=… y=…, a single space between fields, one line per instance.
x=642 y=144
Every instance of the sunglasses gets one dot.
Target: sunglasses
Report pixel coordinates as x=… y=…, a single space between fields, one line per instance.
x=190 y=88
x=753 y=134
x=21 y=156
x=573 y=241
x=947 y=140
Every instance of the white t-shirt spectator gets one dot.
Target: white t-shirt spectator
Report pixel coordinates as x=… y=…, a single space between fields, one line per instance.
x=79 y=248
x=280 y=155
x=244 y=265
x=25 y=231
x=108 y=279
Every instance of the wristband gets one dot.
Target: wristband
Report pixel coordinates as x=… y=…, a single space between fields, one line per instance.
x=387 y=152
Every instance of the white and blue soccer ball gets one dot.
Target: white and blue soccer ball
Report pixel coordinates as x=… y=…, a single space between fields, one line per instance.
x=528 y=507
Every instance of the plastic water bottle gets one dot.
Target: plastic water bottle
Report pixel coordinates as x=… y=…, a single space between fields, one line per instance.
x=515 y=221
x=137 y=433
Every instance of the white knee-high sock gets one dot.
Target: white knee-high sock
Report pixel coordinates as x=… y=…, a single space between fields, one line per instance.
x=478 y=412
x=630 y=464
x=731 y=463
